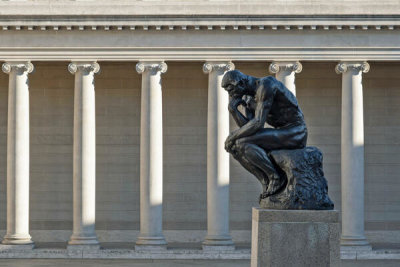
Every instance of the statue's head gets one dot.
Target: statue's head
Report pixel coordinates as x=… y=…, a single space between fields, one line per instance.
x=234 y=82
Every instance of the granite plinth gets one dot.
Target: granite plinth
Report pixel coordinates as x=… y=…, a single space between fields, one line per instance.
x=295 y=238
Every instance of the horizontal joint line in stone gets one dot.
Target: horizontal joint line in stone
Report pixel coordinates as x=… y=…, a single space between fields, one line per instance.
x=258 y=26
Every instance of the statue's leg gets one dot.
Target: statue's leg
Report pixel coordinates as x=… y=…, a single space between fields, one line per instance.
x=258 y=157
x=254 y=149
x=241 y=158
x=274 y=139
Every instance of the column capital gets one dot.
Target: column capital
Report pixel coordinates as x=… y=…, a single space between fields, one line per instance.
x=22 y=66
x=143 y=66
x=292 y=66
x=344 y=66
x=210 y=66
x=85 y=66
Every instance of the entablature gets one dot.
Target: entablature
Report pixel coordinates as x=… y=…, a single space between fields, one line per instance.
x=199 y=23
x=240 y=30
x=83 y=8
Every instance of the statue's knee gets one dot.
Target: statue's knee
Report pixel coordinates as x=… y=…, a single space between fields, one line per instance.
x=240 y=146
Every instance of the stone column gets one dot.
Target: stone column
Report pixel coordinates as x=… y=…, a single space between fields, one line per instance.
x=218 y=236
x=151 y=157
x=285 y=72
x=84 y=155
x=352 y=148
x=18 y=154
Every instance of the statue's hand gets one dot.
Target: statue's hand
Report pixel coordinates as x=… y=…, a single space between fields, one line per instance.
x=234 y=103
x=250 y=102
x=229 y=144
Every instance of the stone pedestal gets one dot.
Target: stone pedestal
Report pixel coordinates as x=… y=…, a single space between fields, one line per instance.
x=295 y=238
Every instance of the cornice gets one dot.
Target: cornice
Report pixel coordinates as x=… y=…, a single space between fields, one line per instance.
x=198 y=23
x=195 y=8
x=202 y=54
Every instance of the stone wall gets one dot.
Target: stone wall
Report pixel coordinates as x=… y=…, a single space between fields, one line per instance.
x=382 y=150
x=185 y=130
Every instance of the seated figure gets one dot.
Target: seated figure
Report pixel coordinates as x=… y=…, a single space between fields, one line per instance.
x=265 y=101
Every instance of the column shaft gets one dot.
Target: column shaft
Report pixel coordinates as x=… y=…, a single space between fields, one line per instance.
x=84 y=154
x=218 y=235
x=151 y=157
x=285 y=73
x=352 y=149
x=18 y=154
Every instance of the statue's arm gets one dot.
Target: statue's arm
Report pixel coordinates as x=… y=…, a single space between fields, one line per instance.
x=255 y=124
x=264 y=104
x=250 y=108
x=238 y=117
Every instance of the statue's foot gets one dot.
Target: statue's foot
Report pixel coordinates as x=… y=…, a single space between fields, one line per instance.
x=274 y=186
x=263 y=195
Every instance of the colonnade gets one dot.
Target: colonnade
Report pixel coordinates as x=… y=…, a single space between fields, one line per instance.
x=151 y=161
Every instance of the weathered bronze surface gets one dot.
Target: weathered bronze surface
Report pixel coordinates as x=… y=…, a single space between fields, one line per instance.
x=272 y=120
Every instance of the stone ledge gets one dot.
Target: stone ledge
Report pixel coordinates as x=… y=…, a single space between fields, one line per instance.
x=381 y=254
x=200 y=24
x=300 y=216
x=261 y=54
x=178 y=253
x=239 y=254
x=87 y=9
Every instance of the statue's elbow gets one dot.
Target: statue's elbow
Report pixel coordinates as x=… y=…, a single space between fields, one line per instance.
x=258 y=124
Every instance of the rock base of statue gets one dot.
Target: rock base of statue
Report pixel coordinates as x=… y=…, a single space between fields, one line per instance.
x=306 y=187
x=295 y=238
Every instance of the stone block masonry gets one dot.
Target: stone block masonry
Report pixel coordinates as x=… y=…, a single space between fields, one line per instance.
x=295 y=238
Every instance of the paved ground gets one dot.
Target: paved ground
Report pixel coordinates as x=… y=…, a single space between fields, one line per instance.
x=166 y=263
x=123 y=263
x=371 y=263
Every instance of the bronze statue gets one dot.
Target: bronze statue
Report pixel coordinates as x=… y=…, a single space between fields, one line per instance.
x=267 y=101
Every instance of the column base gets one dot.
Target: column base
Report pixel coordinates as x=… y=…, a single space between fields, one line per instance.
x=90 y=241
x=17 y=240
x=93 y=247
x=151 y=243
x=28 y=247
x=213 y=242
x=354 y=243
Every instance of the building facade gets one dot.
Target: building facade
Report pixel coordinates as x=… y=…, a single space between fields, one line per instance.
x=113 y=118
